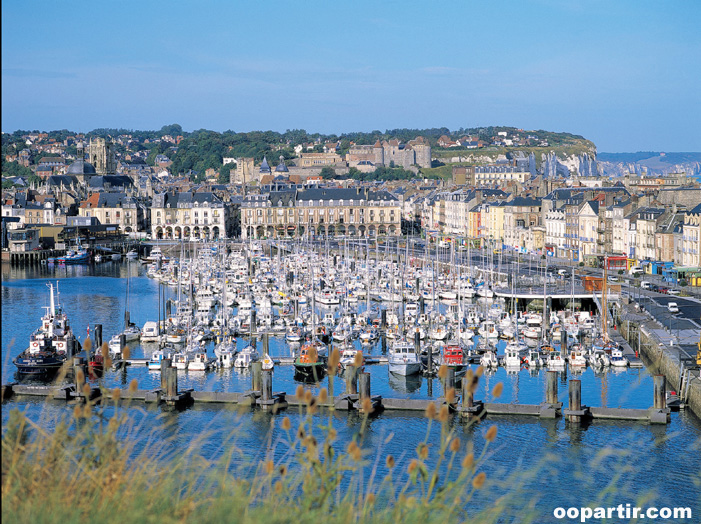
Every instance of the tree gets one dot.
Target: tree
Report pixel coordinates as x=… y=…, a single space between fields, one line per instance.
x=225 y=173
x=327 y=173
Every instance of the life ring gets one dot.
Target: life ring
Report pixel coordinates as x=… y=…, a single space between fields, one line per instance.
x=35 y=344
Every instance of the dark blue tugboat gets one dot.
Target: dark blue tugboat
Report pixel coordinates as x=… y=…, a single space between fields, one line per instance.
x=50 y=345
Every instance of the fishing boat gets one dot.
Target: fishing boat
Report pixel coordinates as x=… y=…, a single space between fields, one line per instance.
x=50 y=344
x=576 y=356
x=199 y=362
x=617 y=359
x=181 y=360
x=402 y=358
x=79 y=255
x=245 y=357
x=599 y=359
x=532 y=359
x=309 y=366
x=555 y=361
x=489 y=359
x=454 y=357
x=154 y=363
x=512 y=357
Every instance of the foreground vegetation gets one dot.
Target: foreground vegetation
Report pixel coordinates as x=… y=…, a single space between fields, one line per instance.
x=88 y=469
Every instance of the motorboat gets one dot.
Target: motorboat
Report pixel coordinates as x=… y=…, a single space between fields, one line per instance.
x=149 y=332
x=402 y=358
x=199 y=362
x=246 y=356
x=617 y=359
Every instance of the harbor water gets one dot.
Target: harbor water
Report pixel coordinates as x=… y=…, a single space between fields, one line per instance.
x=664 y=460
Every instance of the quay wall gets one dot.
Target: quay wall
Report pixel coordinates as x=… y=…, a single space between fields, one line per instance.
x=659 y=358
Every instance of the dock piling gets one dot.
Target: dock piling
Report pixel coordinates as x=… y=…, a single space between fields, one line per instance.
x=551 y=387
x=576 y=412
x=659 y=392
x=267 y=384
x=449 y=382
x=351 y=380
x=256 y=372
x=171 y=381
x=98 y=336
x=165 y=364
x=364 y=385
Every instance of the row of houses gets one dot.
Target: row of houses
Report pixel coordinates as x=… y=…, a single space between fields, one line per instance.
x=580 y=224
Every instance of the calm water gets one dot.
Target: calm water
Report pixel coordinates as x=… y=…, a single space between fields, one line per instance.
x=664 y=458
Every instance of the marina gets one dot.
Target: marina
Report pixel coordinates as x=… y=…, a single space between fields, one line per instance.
x=591 y=404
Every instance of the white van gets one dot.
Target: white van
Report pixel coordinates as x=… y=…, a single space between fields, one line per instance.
x=635 y=270
x=644 y=285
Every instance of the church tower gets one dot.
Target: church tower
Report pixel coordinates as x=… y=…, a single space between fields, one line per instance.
x=101 y=155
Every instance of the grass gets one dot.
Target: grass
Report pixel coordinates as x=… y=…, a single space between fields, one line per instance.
x=96 y=465
x=87 y=468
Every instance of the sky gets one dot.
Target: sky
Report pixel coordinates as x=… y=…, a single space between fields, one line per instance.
x=624 y=74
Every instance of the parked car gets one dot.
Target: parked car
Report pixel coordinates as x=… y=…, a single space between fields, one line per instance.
x=654 y=287
x=645 y=285
x=663 y=290
x=674 y=292
x=672 y=307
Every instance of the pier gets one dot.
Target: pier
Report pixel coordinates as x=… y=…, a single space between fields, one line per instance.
x=358 y=388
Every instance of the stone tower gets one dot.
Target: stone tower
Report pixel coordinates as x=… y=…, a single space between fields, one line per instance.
x=379 y=152
x=101 y=155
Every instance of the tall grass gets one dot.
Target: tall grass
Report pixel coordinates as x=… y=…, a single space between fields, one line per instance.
x=97 y=465
x=87 y=469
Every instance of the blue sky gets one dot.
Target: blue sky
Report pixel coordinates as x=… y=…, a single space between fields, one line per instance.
x=625 y=74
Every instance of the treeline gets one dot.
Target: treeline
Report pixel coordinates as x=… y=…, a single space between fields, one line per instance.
x=380 y=173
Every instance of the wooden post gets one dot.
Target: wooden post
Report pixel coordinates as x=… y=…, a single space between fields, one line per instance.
x=122 y=341
x=256 y=371
x=98 y=336
x=467 y=395
x=417 y=341
x=449 y=382
x=551 y=387
x=267 y=384
x=265 y=343
x=364 y=385
x=165 y=364
x=429 y=368
x=352 y=380
x=78 y=365
x=171 y=381
x=575 y=399
x=659 y=392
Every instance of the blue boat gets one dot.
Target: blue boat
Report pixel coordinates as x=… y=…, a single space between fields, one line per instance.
x=75 y=256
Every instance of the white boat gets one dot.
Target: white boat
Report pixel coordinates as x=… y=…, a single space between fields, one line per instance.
x=154 y=363
x=115 y=345
x=402 y=358
x=267 y=363
x=348 y=356
x=512 y=358
x=576 y=356
x=328 y=299
x=617 y=358
x=488 y=330
x=181 y=360
x=149 y=333
x=132 y=333
x=199 y=362
x=555 y=361
x=245 y=357
x=439 y=332
x=599 y=359
x=294 y=334
x=489 y=360
x=116 y=257
x=131 y=255
x=532 y=359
